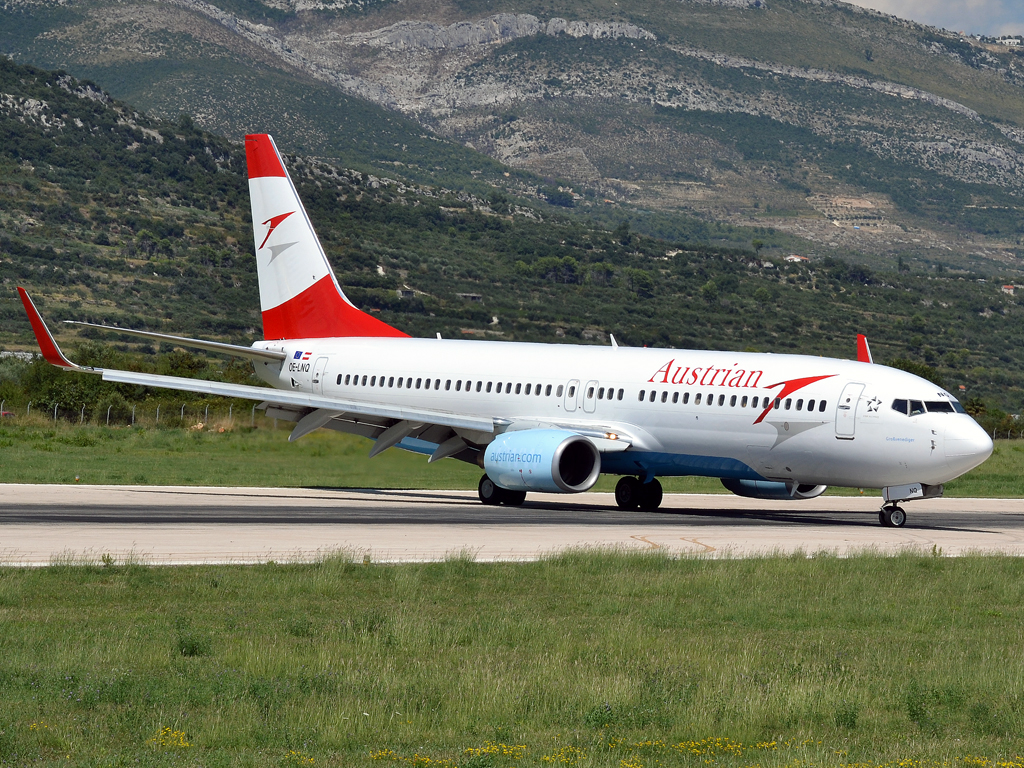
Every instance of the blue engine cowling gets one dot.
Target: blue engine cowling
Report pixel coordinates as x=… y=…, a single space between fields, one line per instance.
x=764 y=489
x=550 y=460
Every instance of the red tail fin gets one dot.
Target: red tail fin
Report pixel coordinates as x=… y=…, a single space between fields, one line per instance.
x=299 y=295
x=863 y=350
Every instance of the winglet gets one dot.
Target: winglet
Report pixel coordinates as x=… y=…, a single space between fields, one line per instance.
x=863 y=350
x=51 y=352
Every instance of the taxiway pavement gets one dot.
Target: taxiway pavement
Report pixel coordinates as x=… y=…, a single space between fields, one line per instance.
x=40 y=524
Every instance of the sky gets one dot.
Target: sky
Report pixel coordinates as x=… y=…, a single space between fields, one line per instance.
x=988 y=17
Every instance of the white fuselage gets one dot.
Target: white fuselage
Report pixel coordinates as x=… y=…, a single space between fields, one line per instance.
x=684 y=412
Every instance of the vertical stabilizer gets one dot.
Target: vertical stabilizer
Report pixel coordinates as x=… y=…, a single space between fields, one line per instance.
x=299 y=295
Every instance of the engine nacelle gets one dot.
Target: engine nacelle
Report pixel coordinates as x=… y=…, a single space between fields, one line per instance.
x=550 y=460
x=764 y=489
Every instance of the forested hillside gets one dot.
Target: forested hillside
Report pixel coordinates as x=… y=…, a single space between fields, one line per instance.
x=869 y=137
x=110 y=216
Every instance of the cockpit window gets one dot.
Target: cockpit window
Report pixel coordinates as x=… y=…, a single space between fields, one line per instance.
x=916 y=407
x=939 y=406
x=958 y=408
x=900 y=405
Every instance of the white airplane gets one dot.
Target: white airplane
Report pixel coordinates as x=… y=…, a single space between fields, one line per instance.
x=553 y=417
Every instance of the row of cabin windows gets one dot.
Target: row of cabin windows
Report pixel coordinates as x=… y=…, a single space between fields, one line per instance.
x=460 y=385
x=734 y=400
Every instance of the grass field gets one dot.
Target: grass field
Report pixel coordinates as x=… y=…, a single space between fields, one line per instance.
x=42 y=452
x=587 y=659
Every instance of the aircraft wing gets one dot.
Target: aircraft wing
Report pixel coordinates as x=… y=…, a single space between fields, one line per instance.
x=324 y=405
x=322 y=409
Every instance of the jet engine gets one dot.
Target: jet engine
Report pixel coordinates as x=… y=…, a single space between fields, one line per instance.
x=551 y=460
x=764 y=489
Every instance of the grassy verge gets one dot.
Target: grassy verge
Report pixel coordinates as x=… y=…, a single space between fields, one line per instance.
x=588 y=659
x=38 y=451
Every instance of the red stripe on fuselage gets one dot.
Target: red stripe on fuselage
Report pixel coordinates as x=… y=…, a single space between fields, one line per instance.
x=790 y=387
x=319 y=312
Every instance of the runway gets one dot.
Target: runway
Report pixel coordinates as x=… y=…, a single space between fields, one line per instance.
x=40 y=524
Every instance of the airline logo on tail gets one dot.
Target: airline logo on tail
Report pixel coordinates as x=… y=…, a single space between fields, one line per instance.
x=273 y=222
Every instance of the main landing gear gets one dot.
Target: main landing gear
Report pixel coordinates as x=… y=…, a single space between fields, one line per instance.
x=892 y=516
x=493 y=495
x=630 y=493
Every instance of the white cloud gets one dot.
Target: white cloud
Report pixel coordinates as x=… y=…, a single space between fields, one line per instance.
x=990 y=17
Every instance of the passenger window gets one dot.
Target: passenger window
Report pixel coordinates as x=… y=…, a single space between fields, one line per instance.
x=536 y=390
x=547 y=391
x=810 y=405
x=732 y=401
x=339 y=379
x=753 y=403
x=572 y=391
x=711 y=399
x=652 y=396
x=643 y=394
x=479 y=384
x=821 y=406
x=530 y=385
x=488 y=387
x=558 y=392
x=916 y=407
x=519 y=388
x=799 y=405
x=600 y=394
x=458 y=384
x=364 y=381
x=348 y=378
x=686 y=397
x=743 y=402
x=418 y=383
x=437 y=383
x=939 y=406
x=447 y=385
x=789 y=402
x=664 y=396
x=696 y=400
x=620 y=393
x=380 y=381
x=373 y=381
x=675 y=397
x=391 y=381
x=778 y=402
x=901 y=406
x=721 y=400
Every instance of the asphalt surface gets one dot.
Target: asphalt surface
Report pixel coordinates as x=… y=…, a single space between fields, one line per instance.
x=41 y=523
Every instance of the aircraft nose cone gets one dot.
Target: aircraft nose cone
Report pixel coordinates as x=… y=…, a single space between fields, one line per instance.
x=967 y=445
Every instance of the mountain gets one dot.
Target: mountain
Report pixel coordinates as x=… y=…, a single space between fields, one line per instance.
x=860 y=133
x=112 y=216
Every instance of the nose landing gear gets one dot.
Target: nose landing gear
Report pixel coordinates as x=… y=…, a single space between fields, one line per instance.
x=892 y=516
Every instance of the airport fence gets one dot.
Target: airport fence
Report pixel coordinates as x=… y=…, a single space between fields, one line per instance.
x=163 y=415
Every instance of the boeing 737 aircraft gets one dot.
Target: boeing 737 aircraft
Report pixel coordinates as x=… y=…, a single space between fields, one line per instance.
x=553 y=417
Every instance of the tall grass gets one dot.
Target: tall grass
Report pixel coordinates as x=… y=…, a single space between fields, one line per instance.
x=588 y=658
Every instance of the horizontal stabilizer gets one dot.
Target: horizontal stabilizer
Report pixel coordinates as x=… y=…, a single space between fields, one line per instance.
x=236 y=350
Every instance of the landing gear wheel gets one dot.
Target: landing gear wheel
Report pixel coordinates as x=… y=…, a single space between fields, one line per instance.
x=513 y=498
x=488 y=492
x=493 y=495
x=892 y=516
x=651 y=495
x=627 y=493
